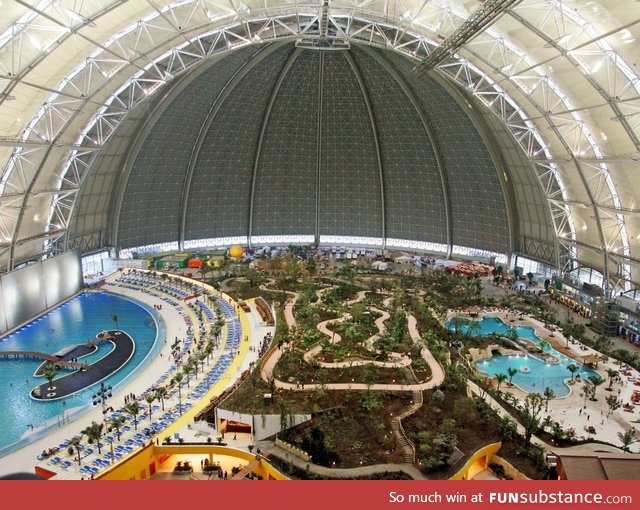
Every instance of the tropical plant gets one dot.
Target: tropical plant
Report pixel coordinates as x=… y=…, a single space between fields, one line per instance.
x=117 y=423
x=114 y=318
x=94 y=433
x=543 y=344
x=202 y=356
x=627 y=439
x=458 y=323
x=613 y=402
x=75 y=447
x=437 y=398
x=531 y=415
x=512 y=334
x=218 y=325
x=596 y=380
x=548 y=395
x=474 y=285
x=161 y=393
x=187 y=368
x=473 y=328
x=590 y=430
x=573 y=369
x=588 y=391
x=612 y=375
x=178 y=379
x=49 y=370
x=508 y=428
x=511 y=371
x=133 y=409
x=149 y=398
x=500 y=378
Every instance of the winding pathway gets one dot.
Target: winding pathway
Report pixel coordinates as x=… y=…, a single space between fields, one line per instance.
x=269 y=363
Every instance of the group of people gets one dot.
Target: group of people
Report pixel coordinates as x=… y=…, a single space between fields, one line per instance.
x=49 y=452
x=264 y=344
x=206 y=466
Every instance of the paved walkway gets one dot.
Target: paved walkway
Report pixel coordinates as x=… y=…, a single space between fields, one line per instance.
x=363 y=471
x=335 y=338
x=437 y=373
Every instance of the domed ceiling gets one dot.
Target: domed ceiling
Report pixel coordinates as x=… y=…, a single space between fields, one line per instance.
x=518 y=131
x=286 y=141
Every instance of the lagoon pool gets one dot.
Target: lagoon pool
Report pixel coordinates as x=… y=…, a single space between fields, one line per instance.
x=73 y=322
x=540 y=375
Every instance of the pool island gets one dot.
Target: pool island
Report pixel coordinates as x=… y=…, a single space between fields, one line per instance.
x=88 y=375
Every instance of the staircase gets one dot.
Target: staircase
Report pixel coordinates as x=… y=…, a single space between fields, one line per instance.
x=402 y=441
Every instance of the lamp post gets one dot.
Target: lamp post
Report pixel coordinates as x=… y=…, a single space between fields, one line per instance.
x=101 y=396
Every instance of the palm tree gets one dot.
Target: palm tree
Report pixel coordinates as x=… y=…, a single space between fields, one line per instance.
x=573 y=368
x=627 y=439
x=187 y=368
x=114 y=318
x=458 y=323
x=219 y=324
x=612 y=375
x=512 y=334
x=500 y=378
x=133 y=409
x=117 y=423
x=49 y=370
x=590 y=431
x=149 y=399
x=473 y=328
x=209 y=350
x=543 y=344
x=94 y=433
x=178 y=379
x=596 y=380
x=548 y=395
x=512 y=371
x=588 y=391
x=475 y=285
x=74 y=448
x=193 y=361
x=202 y=356
x=161 y=393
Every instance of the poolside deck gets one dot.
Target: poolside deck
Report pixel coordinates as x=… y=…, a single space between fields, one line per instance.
x=124 y=347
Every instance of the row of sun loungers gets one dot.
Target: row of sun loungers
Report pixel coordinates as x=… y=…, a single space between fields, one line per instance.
x=162 y=421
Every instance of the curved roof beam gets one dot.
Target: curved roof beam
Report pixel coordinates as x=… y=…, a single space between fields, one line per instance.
x=206 y=125
x=265 y=120
x=130 y=88
x=376 y=139
x=401 y=37
x=426 y=124
x=486 y=14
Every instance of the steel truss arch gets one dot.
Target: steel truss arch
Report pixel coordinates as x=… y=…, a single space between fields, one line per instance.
x=141 y=47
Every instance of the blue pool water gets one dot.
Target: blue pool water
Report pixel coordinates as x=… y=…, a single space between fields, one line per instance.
x=541 y=374
x=75 y=321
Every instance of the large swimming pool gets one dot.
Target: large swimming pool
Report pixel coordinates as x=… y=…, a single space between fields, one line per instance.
x=76 y=321
x=534 y=374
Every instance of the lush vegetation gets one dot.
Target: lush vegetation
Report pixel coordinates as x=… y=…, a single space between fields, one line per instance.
x=353 y=428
